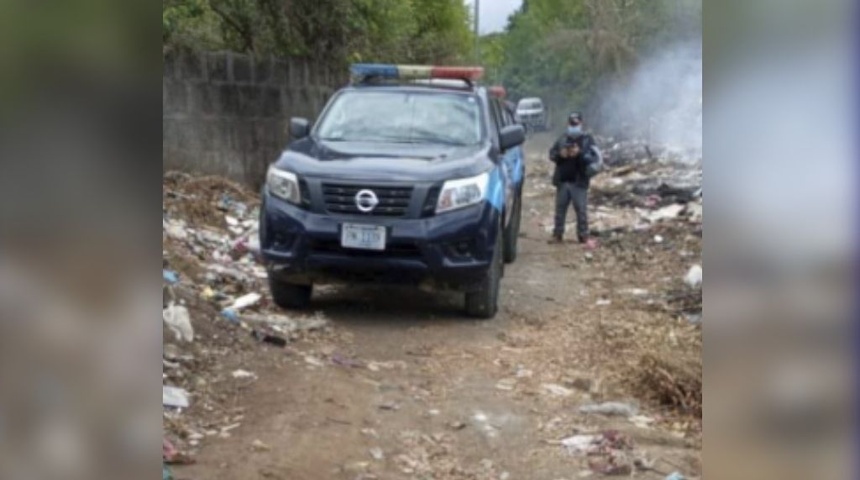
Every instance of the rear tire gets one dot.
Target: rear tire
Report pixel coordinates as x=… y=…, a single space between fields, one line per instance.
x=512 y=233
x=484 y=303
x=290 y=296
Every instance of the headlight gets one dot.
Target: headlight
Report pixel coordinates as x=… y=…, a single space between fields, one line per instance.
x=284 y=185
x=462 y=193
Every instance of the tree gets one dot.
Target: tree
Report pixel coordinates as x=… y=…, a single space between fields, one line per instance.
x=337 y=31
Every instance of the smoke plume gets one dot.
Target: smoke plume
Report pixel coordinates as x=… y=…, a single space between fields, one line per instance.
x=660 y=102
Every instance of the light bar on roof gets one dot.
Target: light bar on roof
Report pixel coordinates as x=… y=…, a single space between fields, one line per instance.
x=414 y=72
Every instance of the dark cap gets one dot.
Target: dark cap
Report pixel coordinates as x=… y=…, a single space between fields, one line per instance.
x=575 y=118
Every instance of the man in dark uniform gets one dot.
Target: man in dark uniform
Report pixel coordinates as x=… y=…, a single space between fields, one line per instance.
x=575 y=158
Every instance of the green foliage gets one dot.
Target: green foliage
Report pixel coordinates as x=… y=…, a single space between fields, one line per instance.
x=564 y=50
x=338 y=31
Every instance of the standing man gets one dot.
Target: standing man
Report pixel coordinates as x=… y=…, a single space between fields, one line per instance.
x=576 y=161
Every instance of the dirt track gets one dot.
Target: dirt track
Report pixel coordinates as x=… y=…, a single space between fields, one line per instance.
x=439 y=395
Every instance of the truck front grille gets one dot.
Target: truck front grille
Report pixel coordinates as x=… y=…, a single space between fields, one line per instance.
x=341 y=199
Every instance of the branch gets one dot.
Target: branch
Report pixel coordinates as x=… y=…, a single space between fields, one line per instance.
x=242 y=31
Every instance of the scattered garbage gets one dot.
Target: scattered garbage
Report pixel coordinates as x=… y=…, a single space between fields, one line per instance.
x=314 y=362
x=343 y=361
x=642 y=421
x=168 y=451
x=170 y=276
x=597 y=444
x=612 y=409
x=259 y=446
x=557 y=390
x=377 y=454
x=389 y=406
x=174 y=397
x=506 y=384
x=178 y=320
x=175 y=230
x=694 y=277
x=231 y=315
x=287 y=324
x=636 y=292
x=666 y=213
x=172 y=456
x=676 y=476
x=269 y=339
x=580 y=444
x=243 y=374
x=246 y=301
x=166 y=474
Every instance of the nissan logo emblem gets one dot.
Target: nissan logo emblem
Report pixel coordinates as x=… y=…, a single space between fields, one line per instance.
x=366 y=201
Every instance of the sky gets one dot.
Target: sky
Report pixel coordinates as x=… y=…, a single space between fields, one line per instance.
x=494 y=13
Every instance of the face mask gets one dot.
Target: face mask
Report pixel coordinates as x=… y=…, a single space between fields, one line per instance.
x=574 y=130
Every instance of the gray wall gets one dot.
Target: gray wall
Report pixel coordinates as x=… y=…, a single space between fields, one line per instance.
x=227 y=114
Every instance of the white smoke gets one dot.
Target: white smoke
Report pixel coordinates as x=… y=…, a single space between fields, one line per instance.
x=660 y=102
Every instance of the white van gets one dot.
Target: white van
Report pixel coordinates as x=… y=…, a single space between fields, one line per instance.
x=531 y=112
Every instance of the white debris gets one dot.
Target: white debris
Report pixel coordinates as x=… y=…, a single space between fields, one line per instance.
x=636 y=292
x=178 y=320
x=240 y=374
x=245 y=302
x=641 y=421
x=174 y=397
x=694 y=277
x=580 y=444
x=377 y=454
x=314 y=362
x=260 y=446
x=175 y=229
x=557 y=390
x=694 y=212
x=506 y=384
x=666 y=213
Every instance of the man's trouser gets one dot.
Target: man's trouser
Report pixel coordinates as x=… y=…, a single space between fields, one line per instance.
x=566 y=194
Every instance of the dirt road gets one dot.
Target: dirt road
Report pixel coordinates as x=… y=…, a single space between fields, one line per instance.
x=406 y=387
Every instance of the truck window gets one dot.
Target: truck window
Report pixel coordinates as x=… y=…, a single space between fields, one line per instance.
x=403 y=117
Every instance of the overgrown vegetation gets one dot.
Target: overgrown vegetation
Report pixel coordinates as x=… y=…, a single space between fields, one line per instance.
x=566 y=50
x=337 y=31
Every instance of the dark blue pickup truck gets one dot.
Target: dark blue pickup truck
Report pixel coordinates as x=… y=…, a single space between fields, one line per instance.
x=411 y=175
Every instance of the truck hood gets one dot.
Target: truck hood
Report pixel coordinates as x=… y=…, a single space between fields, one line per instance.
x=383 y=161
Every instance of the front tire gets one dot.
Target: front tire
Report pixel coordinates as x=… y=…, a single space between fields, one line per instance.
x=484 y=303
x=290 y=296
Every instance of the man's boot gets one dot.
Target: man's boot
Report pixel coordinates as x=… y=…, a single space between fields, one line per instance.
x=556 y=239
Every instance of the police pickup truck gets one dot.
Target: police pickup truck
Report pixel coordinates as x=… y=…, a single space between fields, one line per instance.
x=411 y=175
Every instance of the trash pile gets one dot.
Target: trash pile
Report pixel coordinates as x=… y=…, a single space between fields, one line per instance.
x=646 y=213
x=650 y=213
x=220 y=327
x=649 y=217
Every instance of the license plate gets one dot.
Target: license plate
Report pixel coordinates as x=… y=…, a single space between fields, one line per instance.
x=364 y=237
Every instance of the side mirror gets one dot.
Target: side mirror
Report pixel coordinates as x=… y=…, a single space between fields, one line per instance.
x=299 y=128
x=511 y=136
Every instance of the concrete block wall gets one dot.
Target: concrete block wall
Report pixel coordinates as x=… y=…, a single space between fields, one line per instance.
x=227 y=114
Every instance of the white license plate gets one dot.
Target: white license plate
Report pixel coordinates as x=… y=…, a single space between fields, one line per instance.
x=364 y=237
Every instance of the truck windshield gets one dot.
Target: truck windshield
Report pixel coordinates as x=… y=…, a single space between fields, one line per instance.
x=530 y=105
x=402 y=117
